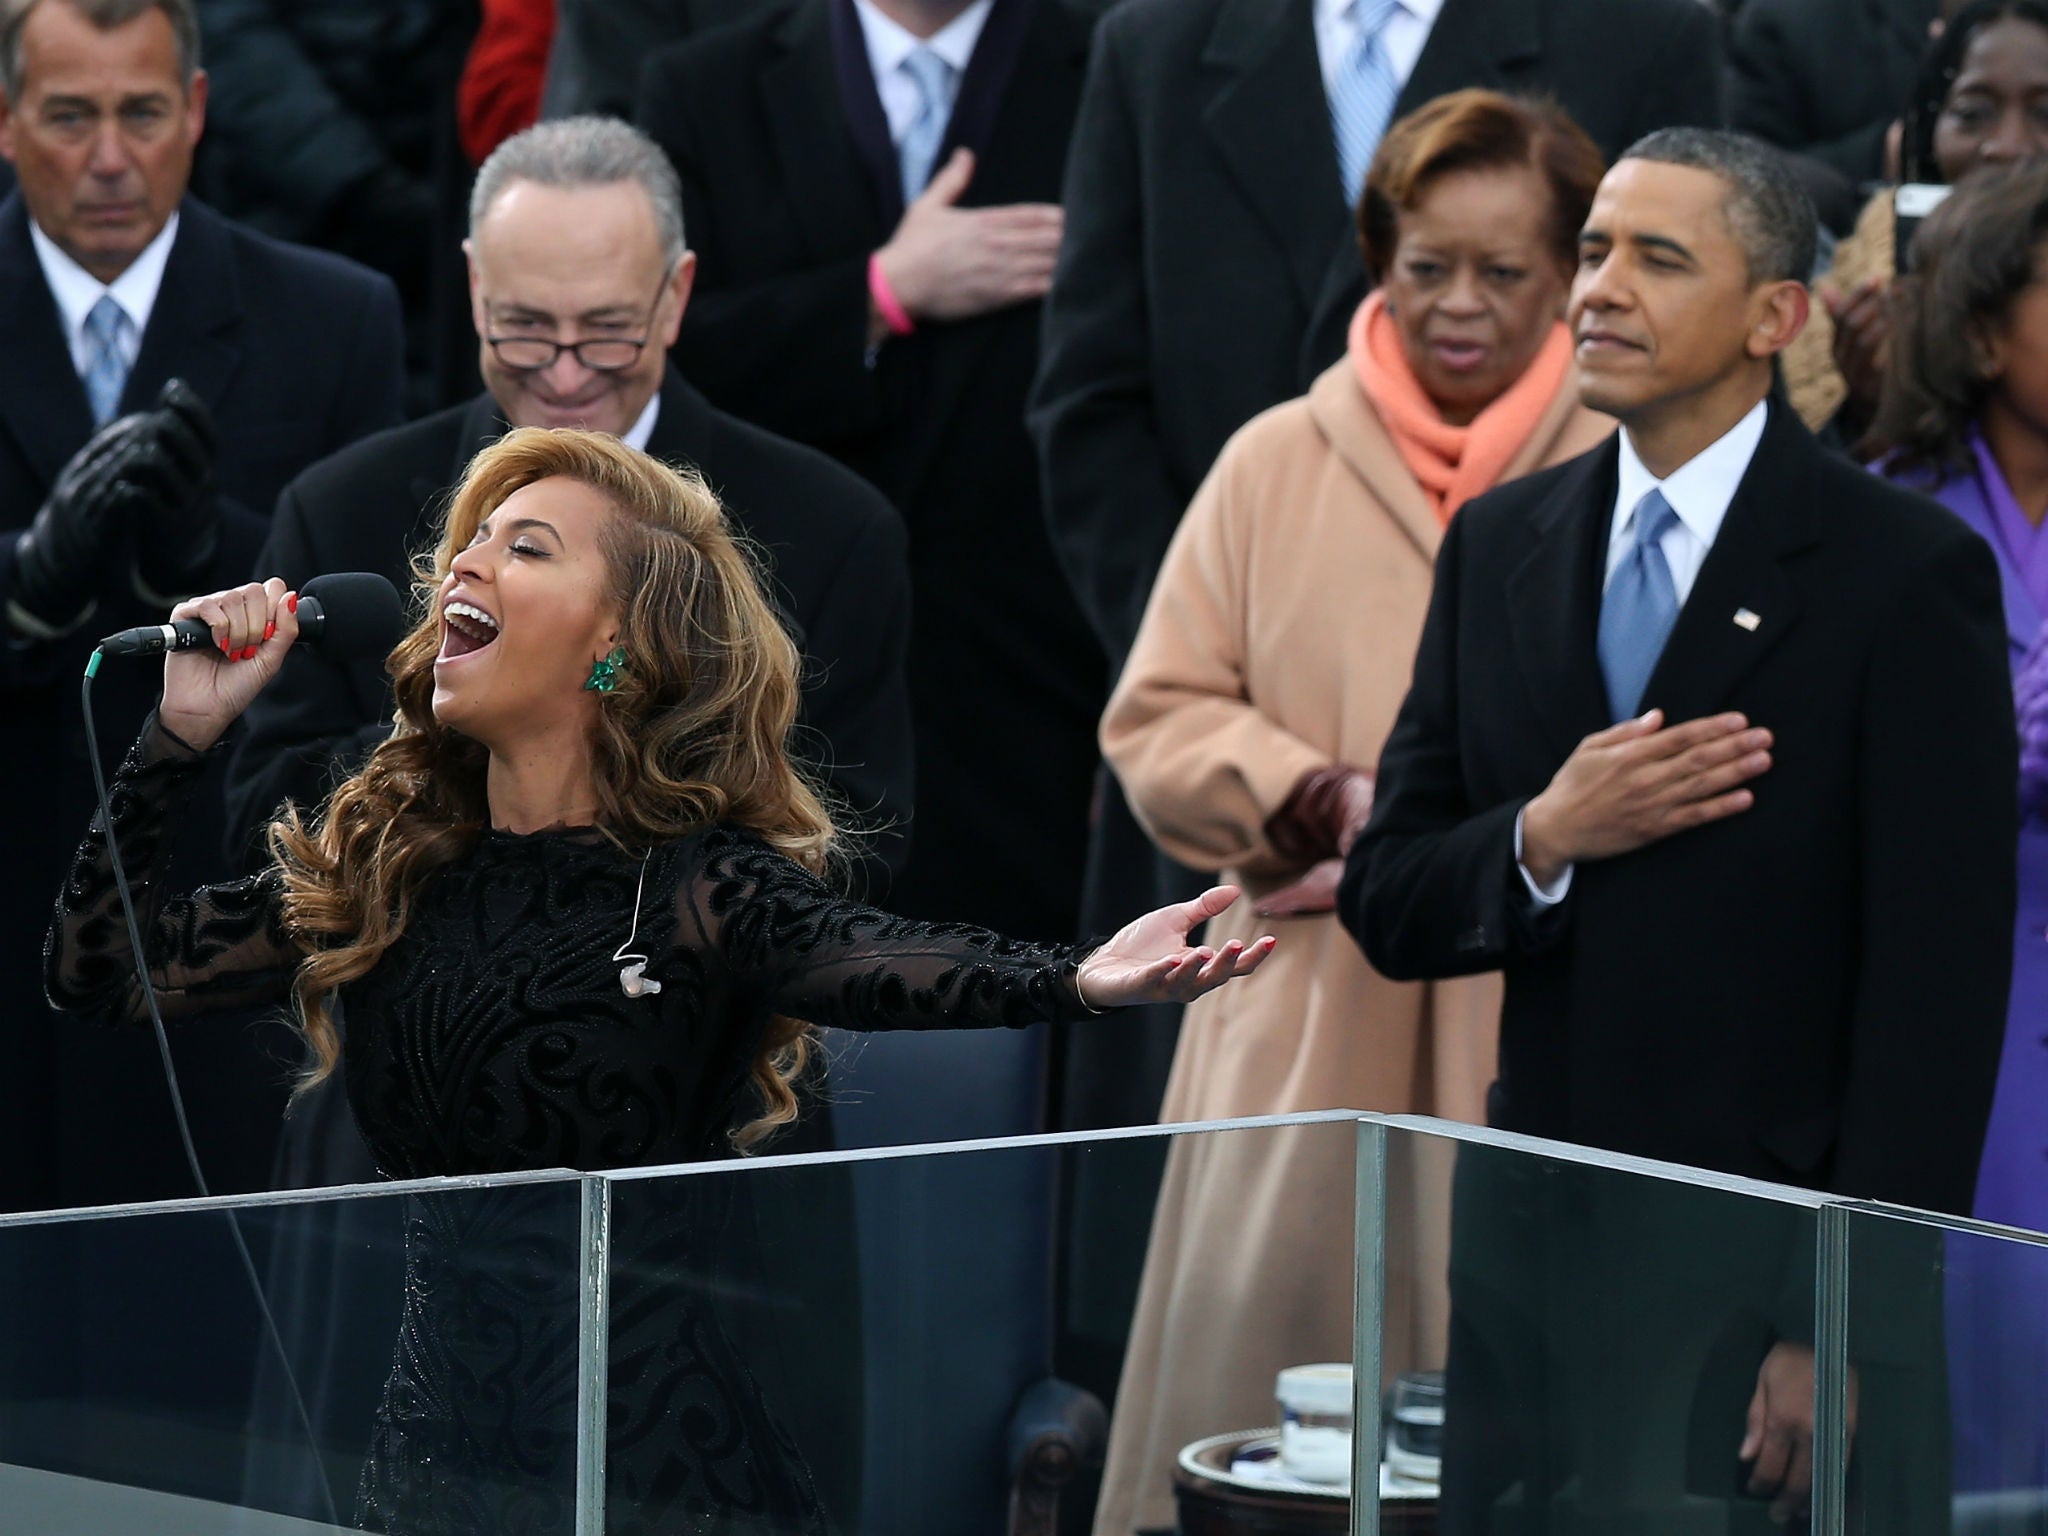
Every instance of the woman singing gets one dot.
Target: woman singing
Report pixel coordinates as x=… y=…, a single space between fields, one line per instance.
x=574 y=911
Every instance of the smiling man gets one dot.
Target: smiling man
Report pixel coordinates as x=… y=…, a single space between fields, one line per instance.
x=579 y=277
x=1711 y=751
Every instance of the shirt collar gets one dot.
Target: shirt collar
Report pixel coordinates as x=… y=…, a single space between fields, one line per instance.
x=77 y=290
x=1332 y=12
x=638 y=435
x=890 y=44
x=1700 y=489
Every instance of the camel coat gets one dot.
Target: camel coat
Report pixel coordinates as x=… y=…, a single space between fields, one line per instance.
x=1279 y=639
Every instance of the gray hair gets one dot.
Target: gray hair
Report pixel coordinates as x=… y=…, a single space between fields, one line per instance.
x=106 y=15
x=1767 y=207
x=585 y=152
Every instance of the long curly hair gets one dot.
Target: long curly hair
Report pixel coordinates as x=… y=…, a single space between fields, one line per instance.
x=1972 y=259
x=694 y=734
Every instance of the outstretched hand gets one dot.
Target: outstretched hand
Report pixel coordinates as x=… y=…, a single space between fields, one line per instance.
x=1151 y=961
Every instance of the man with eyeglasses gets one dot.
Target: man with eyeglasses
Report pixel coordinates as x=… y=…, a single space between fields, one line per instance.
x=579 y=277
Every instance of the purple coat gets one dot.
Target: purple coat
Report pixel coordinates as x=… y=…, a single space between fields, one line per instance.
x=1998 y=1292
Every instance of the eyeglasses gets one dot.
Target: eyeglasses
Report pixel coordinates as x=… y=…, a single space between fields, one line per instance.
x=600 y=354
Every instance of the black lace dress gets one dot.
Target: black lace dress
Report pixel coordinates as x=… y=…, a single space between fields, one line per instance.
x=495 y=1036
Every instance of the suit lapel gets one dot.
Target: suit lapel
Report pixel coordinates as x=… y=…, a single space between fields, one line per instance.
x=482 y=425
x=1743 y=602
x=50 y=417
x=681 y=426
x=984 y=86
x=1554 y=600
x=861 y=111
x=1021 y=158
x=1473 y=43
x=815 y=104
x=195 y=328
x=1269 y=121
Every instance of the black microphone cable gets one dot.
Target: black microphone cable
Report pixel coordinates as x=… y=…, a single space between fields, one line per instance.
x=163 y=1045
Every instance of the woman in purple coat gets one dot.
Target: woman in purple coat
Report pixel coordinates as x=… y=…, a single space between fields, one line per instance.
x=1965 y=418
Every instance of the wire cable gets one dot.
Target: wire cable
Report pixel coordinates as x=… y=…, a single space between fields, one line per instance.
x=163 y=1045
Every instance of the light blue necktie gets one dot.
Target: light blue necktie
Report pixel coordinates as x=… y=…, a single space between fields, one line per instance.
x=1362 y=96
x=1639 y=609
x=920 y=147
x=106 y=368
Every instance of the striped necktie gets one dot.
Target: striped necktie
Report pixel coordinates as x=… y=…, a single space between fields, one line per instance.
x=107 y=329
x=919 y=150
x=1362 y=95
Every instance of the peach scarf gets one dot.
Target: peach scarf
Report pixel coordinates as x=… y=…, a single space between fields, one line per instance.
x=1453 y=464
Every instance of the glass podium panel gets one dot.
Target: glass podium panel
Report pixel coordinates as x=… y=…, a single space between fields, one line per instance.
x=1948 y=1341
x=1521 y=1339
x=1574 y=1344
x=866 y=1343
x=422 y=1373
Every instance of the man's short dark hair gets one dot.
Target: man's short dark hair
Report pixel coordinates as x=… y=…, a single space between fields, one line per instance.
x=104 y=14
x=1768 y=209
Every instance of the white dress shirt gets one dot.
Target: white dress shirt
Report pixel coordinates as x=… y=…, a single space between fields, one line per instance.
x=1699 y=491
x=77 y=290
x=889 y=45
x=638 y=434
x=1402 y=37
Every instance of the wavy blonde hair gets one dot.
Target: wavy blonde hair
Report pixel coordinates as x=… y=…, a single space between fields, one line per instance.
x=695 y=734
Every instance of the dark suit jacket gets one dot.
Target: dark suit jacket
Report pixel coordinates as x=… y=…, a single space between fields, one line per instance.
x=1812 y=991
x=296 y=354
x=834 y=546
x=789 y=183
x=1210 y=266
x=1826 y=77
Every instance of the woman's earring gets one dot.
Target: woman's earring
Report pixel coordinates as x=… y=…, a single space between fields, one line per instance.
x=604 y=672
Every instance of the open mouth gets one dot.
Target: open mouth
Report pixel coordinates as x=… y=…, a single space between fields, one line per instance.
x=465 y=630
x=1458 y=355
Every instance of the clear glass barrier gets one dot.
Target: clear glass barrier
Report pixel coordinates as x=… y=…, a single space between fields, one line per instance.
x=1948 y=1339
x=1527 y=1339
x=1574 y=1344
x=865 y=1343
x=427 y=1327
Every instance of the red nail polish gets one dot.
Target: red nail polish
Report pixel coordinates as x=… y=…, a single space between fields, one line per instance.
x=270 y=629
x=223 y=643
x=249 y=653
x=292 y=602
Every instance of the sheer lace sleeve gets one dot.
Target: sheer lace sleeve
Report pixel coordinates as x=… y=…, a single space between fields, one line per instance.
x=223 y=946
x=811 y=954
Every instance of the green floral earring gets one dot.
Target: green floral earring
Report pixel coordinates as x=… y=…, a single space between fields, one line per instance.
x=604 y=673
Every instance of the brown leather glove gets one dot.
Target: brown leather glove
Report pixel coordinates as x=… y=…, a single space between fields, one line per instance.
x=1323 y=814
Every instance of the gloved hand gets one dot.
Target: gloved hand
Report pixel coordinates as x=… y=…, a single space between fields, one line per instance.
x=177 y=524
x=2030 y=698
x=58 y=560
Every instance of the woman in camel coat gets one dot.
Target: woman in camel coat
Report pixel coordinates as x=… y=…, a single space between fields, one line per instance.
x=1273 y=657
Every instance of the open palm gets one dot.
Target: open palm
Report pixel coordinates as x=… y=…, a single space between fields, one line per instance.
x=1151 y=961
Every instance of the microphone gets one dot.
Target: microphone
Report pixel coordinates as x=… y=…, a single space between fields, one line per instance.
x=354 y=614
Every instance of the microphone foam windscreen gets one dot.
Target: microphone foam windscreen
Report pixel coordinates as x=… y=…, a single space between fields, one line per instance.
x=361 y=614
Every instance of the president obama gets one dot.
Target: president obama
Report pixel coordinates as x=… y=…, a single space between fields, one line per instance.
x=1710 y=749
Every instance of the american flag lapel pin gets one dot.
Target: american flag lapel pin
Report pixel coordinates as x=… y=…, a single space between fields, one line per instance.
x=1745 y=619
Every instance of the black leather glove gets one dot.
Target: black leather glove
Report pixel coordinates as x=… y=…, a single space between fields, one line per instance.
x=177 y=526
x=59 y=560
